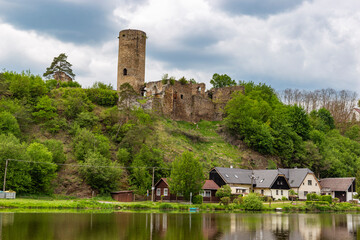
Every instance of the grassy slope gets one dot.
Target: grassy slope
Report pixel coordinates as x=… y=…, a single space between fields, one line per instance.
x=174 y=137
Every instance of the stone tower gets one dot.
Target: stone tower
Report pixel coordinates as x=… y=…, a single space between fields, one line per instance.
x=131 y=60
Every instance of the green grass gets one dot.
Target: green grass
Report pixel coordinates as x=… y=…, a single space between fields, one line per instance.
x=90 y=204
x=175 y=137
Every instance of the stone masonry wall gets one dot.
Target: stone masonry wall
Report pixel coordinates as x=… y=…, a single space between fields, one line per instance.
x=131 y=59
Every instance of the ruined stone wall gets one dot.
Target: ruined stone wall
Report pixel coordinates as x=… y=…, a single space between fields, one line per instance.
x=187 y=102
x=131 y=59
x=63 y=77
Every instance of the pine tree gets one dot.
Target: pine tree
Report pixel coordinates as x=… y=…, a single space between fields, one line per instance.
x=59 y=64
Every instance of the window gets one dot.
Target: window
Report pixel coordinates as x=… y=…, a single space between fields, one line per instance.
x=182 y=96
x=262 y=191
x=305 y=193
x=315 y=184
x=282 y=192
x=244 y=190
x=125 y=72
x=277 y=192
x=158 y=192
x=165 y=191
x=206 y=193
x=309 y=182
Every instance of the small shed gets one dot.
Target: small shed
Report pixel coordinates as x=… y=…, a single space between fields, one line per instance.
x=342 y=188
x=123 y=196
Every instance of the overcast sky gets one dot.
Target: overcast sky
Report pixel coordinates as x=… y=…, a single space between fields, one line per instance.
x=305 y=44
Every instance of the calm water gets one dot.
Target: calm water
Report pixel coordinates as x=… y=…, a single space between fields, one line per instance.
x=133 y=225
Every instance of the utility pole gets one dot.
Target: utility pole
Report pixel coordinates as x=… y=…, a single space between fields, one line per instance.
x=152 y=186
x=6 y=165
x=252 y=177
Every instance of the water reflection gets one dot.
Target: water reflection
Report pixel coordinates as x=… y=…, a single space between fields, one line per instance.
x=211 y=226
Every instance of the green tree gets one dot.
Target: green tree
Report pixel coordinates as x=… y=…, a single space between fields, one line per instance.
x=56 y=147
x=45 y=109
x=186 y=175
x=101 y=173
x=219 y=81
x=9 y=124
x=75 y=101
x=144 y=161
x=252 y=202
x=224 y=191
x=59 y=64
x=322 y=120
x=85 y=141
x=299 y=121
x=42 y=170
x=353 y=133
x=17 y=178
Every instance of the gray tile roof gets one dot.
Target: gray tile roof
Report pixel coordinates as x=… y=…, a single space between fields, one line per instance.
x=295 y=176
x=264 y=178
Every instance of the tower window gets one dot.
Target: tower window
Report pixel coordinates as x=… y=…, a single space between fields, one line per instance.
x=125 y=72
x=181 y=96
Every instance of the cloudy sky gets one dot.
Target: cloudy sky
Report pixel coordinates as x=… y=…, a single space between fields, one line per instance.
x=305 y=44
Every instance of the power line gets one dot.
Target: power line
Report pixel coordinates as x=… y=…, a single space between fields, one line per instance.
x=83 y=165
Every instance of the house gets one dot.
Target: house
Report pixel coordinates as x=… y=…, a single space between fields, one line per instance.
x=162 y=188
x=341 y=188
x=209 y=190
x=355 y=115
x=302 y=181
x=270 y=183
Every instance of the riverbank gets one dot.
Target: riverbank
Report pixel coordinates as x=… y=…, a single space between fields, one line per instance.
x=287 y=206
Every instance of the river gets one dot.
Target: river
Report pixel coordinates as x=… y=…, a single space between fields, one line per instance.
x=187 y=226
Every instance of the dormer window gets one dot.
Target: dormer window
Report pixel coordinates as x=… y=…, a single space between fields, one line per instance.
x=236 y=176
x=261 y=180
x=125 y=72
x=226 y=175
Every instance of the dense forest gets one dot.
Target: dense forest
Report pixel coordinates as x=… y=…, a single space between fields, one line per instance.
x=61 y=138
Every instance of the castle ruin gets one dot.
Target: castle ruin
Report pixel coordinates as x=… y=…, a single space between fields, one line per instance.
x=174 y=99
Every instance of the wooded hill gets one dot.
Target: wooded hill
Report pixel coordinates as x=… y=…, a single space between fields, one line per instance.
x=89 y=144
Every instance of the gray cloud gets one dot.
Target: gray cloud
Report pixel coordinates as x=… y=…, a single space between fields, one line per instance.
x=260 y=8
x=71 y=22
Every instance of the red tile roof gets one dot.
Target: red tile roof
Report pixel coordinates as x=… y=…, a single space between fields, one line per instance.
x=210 y=185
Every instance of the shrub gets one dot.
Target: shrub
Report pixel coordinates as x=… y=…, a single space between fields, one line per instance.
x=225 y=201
x=55 y=125
x=284 y=198
x=326 y=198
x=9 y=124
x=317 y=203
x=103 y=97
x=183 y=81
x=165 y=206
x=198 y=199
x=252 y=202
x=313 y=197
x=224 y=191
x=87 y=119
x=336 y=200
x=103 y=179
x=239 y=200
x=172 y=80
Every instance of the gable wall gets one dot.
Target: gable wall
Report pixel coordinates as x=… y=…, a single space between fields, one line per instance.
x=305 y=187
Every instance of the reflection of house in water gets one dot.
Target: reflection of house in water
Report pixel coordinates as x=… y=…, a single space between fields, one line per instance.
x=5 y=220
x=309 y=226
